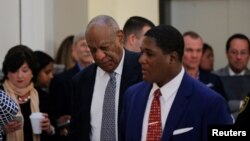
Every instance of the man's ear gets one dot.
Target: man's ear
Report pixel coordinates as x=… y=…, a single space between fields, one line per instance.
x=131 y=39
x=121 y=36
x=173 y=57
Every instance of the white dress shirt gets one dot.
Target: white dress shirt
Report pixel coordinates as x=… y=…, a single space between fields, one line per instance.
x=232 y=73
x=168 y=92
x=101 y=81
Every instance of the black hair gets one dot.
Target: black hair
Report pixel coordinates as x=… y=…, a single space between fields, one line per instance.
x=237 y=36
x=168 y=38
x=16 y=57
x=205 y=47
x=42 y=60
x=135 y=24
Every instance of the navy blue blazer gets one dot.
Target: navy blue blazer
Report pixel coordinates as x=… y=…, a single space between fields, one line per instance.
x=212 y=81
x=83 y=85
x=60 y=95
x=194 y=108
x=60 y=92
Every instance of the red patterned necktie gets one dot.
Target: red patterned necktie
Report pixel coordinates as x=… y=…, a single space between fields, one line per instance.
x=154 y=124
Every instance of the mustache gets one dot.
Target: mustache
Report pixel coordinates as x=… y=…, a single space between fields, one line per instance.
x=87 y=54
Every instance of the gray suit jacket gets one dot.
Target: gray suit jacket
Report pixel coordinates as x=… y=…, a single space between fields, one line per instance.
x=236 y=88
x=225 y=71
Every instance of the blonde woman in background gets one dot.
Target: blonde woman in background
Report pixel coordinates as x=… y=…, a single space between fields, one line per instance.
x=64 y=56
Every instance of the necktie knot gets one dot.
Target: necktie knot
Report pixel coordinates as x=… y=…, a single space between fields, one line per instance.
x=157 y=93
x=112 y=75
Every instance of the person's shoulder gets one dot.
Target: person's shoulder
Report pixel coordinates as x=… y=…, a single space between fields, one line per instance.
x=138 y=88
x=42 y=93
x=247 y=71
x=68 y=74
x=2 y=93
x=202 y=91
x=208 y=74
x=139 y=85
x=86 y=73
x=208 y=96
x=132 y=58
x=131 y=54
x=131 y=62
x=59 y=77
x=221 y=72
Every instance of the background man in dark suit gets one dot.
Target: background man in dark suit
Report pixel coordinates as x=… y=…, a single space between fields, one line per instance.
x=134 y=29
x=238 y=54
x=106 y=43
x=60 y=89
x=193 y=44
x=186 y=106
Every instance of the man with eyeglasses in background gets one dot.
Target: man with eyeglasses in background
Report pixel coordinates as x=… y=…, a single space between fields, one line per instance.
x=236 y=76
x=238 y=53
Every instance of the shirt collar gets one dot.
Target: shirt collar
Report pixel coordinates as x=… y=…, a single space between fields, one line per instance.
x=171 y=87
x=232 y=73
x=118 y=70
x=79 y=66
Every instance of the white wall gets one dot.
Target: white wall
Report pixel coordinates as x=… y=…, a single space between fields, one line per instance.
x=29 y=27
x=214 y=20
x=45 y=23
x=69 y=17
x=33 y=24
x=9 y=26
x=121 y=10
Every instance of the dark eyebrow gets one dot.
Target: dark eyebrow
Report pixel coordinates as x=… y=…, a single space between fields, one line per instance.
x=147 y=50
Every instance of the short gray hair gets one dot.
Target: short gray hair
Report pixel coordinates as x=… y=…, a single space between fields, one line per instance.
x=79 y=36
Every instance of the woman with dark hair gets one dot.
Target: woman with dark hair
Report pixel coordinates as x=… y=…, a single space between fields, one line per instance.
x=19 y=68
x=44 y=68
x=44 y=64
x=207 y=59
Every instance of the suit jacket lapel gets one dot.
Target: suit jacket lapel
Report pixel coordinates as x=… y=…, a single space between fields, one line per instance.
x=178 y=107
x=139 y=107
x=130 y=75
x=130 y=69
x=87 y=86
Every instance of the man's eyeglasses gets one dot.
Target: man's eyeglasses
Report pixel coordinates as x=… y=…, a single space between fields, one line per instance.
x=236 y=53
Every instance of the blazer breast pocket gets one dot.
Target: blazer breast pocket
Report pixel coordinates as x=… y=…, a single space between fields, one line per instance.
x=184 y=134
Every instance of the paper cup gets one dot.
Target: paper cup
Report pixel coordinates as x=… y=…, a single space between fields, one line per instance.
x=35 y=119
